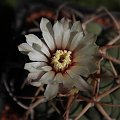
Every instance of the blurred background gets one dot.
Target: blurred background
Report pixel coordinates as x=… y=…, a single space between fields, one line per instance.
x=16 y=19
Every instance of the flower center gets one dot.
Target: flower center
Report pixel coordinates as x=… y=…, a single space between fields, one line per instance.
x=61 y=60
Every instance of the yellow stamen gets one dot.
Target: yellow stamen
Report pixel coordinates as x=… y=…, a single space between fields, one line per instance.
x=61 y=60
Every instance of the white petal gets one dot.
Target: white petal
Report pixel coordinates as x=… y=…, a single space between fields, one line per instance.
x=66 y=37
x=45 y=50
x=24 y=47
x=46 y=26
x=48 y=77
x=37 y=44
x=51 y=91
x=81 y=84
x=36 y=84
x=66 y=23
x=47 y=33
x=46 y=68
x=58 y=34
x=31 y=39
x=76 y=26
x=58 y=78
x=76 y=40
x=42 y=49
x=72 y=35
x=68 y=81
x=34 y=66
x=36 y=56
x=33 y=76
x=49 y=40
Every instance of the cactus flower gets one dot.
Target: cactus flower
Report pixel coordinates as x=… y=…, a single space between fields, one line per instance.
x=65 y=55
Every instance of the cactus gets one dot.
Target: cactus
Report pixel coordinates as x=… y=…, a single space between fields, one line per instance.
x=103 y=101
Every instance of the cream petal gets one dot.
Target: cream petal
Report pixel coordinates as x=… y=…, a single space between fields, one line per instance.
x=66 y=36
x=76 y=40
x=48 y=77
x=71 y=73
x=85 y=42
x=87 y=61
x=76 y=26
x=89 y=50
x=90 y=38
x=47 y=33
x=51 y=91
x=80 y=70
x=58 y=78
x=25 y=48
x=58 y=34
x=34 y=66
x=36 y=84
x=82 y=58
x=36 y=56
x=77 y=58
x=46 y=68
x=66 y=23
x=91 y=65
x=81 y=84
x=86 y=53
x=68 y=81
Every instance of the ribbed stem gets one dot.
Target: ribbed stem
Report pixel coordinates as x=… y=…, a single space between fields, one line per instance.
x=83 y=111
x=103 y=112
